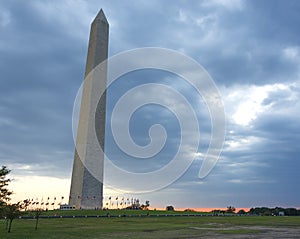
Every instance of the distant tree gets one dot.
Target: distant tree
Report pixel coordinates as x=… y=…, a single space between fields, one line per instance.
x=189 y=210
x=267 y=211
x=145 y=206
x=290 y=211
x=230 y=209
x=241 y=212
x=169 y=208
x=254 y=211
x=11 y=211
x=37 y=213
x=264 y=211
x=215 y=212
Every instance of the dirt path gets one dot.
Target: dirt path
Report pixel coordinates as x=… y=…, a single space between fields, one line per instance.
x=248 y=232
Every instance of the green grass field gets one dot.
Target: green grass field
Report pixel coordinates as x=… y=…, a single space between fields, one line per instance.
x=150 y=227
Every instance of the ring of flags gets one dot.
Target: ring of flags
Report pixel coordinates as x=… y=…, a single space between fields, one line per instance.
x=111 y=202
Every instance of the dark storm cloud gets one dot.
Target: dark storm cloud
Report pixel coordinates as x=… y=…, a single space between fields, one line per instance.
x=40 y=73
x=244 y=46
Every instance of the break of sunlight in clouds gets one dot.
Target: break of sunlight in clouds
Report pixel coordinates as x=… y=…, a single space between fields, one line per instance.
x=247 y=102
x=241 y=143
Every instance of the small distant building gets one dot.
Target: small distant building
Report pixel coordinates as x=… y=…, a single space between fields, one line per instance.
x=281 y=213
x=66 y=207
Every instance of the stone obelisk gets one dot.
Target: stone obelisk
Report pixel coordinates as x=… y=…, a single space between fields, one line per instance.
x=87 y=188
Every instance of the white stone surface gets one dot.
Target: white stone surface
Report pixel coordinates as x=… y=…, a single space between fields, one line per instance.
x=87 y=189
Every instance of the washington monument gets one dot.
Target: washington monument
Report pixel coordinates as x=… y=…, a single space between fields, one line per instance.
x=87 y=188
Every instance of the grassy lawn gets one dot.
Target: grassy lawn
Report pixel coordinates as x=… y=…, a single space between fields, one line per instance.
x=142 y=227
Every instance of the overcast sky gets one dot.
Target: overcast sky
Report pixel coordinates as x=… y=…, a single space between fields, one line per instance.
x=251 y=49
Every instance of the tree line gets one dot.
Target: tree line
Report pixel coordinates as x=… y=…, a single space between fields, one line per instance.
x=260 y=211
x=277 y=211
